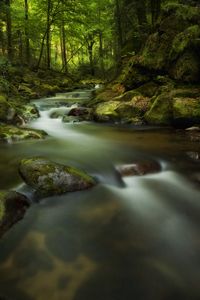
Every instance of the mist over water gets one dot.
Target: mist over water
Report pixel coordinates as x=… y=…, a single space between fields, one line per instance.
x=127 y=238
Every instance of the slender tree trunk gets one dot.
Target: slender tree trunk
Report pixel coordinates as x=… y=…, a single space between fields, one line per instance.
x=90 y=52
x=119 y=33
x=48 y=42
x=9 y=30
x=101 y=54
x=41 y=50
x=64 y=50
x=27 y=42
x=20 y=46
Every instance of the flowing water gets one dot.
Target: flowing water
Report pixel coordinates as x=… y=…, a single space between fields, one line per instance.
x=132 y=238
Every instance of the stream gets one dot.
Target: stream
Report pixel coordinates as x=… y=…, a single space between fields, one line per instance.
x=131 y=238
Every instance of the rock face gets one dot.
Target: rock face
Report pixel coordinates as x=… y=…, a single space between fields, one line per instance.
x=10 y=134
x=49 y=178
x=12 y=208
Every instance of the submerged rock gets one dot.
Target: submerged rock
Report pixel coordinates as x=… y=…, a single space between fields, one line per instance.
x=13 y=206
x=139 y=168
x=49 y=178
x=9 y=133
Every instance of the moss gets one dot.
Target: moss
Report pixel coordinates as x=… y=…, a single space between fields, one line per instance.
x=148 y=89
x=81 y=174
x=9 y=133
x=2 y=205
x=182 y=11
x=183 y=40
x=49 y=178
x=4 y=108
x=160 y=112
x=187 y=68
x=107 y=111
x=186 y=107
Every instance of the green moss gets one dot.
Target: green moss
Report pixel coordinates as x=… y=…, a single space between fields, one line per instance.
x=186 y=107
x=184 y=40
x=107 y=111
x=49 y=178
x=81 y=174
x=160 y=112
x=9 y=133
x=187 y=68
x=2 y=205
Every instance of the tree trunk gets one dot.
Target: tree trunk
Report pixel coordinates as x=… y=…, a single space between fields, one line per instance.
x=63 y=48
x=9 y=30
x=20 y=47
x=119 y=32
x=27 y=42
x=101 y=54
x=90 y=52
x=48 y=42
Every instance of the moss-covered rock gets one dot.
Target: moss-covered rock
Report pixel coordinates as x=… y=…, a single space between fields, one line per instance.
x=49 y=178
x=13 y=206
x=5 y=109
x=186 y=68
x=186 y=111
x=121 y=111
x=186 y=39
x=133 y=74
x=161 y=111
x=106 y=112
x=9 y=133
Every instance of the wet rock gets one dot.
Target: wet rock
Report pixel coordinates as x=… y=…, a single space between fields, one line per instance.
x=49 y=178
x=193 y=128
x=9 y=133
x=13 y=206
x=72 y=119
x=194 y=155
x=79 y=111
x=139 y=168
x=83 y=113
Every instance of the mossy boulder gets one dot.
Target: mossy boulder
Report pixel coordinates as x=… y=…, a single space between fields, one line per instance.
x=161 y=111
x=175 y=45
x=13 y=206
x=120 y=111
x=10 y=134
x=26 y=91
x=49 y=178
x=186 y=111
x=106 y=112
x=186 y=68
x=134 y=75
x=5 y=109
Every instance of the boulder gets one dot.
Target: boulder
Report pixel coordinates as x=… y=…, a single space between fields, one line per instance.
x=9 y=133
x=139 y=168
x=106 y=111
x=186 y=111
x=13 y=206
x=5 y=109
x=160 y=112
x=72 y=119
x=49 y=178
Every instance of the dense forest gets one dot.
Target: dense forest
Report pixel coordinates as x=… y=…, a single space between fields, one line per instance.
x=99 y=149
